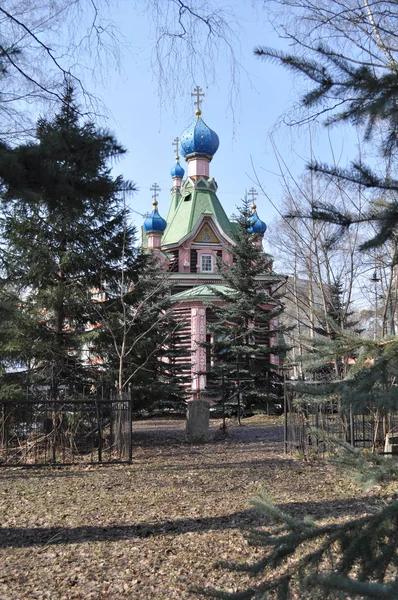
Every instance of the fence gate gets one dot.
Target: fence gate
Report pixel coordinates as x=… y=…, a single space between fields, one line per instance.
x=65 y=431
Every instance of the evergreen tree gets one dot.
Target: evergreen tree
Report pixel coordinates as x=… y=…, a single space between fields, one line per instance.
x=62 y=229
x=353 y=91
x=357 y=558
x=337 y=312
x=16 y=338
x=66 y=244
x=339 y=319
x=138 y=335
x=243 y=334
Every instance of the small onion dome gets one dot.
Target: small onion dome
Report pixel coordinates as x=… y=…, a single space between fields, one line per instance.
x=198 y=138
x=155 y=222
x=256 y=224
x=177 y=170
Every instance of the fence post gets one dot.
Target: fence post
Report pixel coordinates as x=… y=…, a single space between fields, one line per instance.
x=284 y=415
x=111 y=424
x=99 y=422
x=351 y=417
x=130 y=423
x=54 y=433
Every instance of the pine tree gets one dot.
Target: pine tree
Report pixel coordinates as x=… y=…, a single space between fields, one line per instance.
x=357 y=558
x=336 y=312
x=353 y=91
x=63 y=227
x=137 y=338
x=339 y=319
x=92 y=307
x=243 y=336
x=16 y=338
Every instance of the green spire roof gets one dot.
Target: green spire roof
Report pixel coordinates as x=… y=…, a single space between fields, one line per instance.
x=195 y=201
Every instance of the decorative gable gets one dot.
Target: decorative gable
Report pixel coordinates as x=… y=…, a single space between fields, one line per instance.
x=206 y=236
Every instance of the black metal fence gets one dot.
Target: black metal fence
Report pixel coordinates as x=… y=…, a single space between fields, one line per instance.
x=69 y=430
x=368 y=429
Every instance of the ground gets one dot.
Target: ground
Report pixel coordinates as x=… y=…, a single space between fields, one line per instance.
x=154 y=529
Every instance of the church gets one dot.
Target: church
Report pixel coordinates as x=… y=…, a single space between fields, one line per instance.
x=194 y=236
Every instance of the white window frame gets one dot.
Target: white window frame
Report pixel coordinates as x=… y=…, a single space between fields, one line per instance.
x=207 y=256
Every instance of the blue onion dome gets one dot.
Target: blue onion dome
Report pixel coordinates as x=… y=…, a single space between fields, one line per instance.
x=155 y=222
x=177 y=170
x=198 y=138
x=257 y=226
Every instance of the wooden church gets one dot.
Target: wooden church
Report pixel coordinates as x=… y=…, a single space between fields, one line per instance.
x=195 y=233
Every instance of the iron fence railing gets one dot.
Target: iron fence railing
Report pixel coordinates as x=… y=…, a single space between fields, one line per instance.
x=370 y=428
x=69 y=430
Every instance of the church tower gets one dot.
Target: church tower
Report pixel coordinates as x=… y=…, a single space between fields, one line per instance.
x=194 y=237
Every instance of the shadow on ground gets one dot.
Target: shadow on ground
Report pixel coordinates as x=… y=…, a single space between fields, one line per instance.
x=246 y=519
x=168 y=432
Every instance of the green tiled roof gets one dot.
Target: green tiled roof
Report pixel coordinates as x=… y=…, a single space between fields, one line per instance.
x=182 y=219
x=234 y=226
x=201 y=292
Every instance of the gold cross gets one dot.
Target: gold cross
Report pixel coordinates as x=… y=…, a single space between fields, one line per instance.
x=197 y=92
x=155 y=189
x=176 y=143
x=253 y=194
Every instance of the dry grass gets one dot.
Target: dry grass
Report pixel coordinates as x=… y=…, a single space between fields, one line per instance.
x=153 y=529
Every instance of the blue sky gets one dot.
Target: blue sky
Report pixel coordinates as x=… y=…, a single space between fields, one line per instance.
x=147 y=127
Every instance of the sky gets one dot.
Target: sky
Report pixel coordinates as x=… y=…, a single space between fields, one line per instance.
x=147 y=126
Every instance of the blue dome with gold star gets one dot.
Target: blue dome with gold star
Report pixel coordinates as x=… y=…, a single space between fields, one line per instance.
x=177 y=170
x=155 y=222
x=198 y=138
x=257 y=226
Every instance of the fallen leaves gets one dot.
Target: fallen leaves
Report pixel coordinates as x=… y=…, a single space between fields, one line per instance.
x=154 y=529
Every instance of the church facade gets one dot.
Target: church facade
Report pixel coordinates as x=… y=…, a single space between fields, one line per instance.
x=192 y=239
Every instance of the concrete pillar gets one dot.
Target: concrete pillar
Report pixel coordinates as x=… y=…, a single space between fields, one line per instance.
x=197 y=425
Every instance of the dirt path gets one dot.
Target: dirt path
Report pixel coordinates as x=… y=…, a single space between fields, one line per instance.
x=169 y=431
x=153 y=529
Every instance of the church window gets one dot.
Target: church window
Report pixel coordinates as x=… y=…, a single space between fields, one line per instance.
x=173 y=263
x=206 y=263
